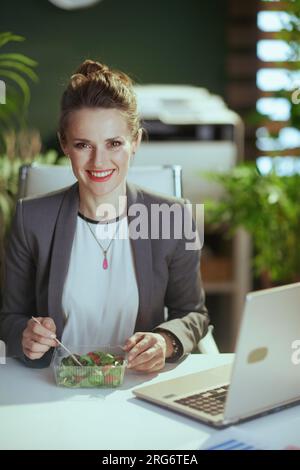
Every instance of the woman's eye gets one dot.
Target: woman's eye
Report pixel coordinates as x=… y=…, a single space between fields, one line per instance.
x=116 y=143
x=81 y=145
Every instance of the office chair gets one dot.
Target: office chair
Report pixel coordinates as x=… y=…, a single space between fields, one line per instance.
x=36 y=179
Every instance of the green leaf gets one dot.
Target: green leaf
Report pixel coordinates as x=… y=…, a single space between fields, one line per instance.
x=18 y=66
x=8 y=37
x=19 y=58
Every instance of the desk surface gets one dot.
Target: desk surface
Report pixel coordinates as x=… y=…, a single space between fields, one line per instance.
x=36 y=414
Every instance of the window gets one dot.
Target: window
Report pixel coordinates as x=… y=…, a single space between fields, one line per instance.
x=276 y=79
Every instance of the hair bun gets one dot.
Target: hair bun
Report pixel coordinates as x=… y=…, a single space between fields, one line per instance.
x=90 y=71
x=90 y=68
x=95 y=85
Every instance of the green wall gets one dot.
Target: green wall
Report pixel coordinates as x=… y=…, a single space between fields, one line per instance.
x=155 y=41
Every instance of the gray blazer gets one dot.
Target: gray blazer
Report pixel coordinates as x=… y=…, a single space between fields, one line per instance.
x=36 y=265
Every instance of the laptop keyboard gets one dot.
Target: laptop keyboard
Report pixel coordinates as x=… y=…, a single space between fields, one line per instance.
x=211 y=402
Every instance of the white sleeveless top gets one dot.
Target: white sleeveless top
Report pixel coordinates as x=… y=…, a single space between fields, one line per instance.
x=100 y=305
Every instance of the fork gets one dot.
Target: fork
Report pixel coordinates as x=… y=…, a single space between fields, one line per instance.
x=60 y=343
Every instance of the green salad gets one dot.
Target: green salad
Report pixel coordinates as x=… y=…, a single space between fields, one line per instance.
x=99 y=369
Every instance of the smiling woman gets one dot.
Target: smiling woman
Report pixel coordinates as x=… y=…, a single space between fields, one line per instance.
x=99 y=144
x=73 y=261
x=99 y=130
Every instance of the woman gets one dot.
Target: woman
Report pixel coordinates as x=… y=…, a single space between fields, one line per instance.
x=65 y=263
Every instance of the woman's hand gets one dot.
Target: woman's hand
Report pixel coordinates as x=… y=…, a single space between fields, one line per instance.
x=38 y=339
x=146 y=351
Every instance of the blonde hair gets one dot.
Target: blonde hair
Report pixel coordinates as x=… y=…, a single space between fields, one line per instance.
x=95 y=85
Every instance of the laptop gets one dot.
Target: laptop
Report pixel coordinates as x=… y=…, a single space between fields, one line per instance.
x=263 y=376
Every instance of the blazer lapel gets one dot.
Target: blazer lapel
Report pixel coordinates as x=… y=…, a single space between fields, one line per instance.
x=142 y=253
x=61 y=252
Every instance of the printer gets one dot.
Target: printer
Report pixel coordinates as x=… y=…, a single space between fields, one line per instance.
x=192 y=128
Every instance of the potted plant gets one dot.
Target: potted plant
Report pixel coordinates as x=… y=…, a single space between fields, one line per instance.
x=267 y=206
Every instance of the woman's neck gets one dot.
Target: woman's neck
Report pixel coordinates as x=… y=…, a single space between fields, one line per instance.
x=103 y=208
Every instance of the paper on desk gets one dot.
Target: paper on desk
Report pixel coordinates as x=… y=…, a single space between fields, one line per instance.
x=234 y=438
x=230 y=439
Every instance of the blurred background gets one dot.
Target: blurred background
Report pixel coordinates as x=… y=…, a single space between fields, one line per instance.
x=218 y=87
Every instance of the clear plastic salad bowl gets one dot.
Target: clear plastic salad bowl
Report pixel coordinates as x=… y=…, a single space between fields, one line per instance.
x=102 y=366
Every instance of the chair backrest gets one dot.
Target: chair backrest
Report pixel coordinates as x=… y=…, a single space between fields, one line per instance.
x=37 y=179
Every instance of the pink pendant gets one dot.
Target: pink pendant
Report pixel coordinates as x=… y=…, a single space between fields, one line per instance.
x=105 y=264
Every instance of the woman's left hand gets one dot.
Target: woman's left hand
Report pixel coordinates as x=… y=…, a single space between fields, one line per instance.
x=146 y=352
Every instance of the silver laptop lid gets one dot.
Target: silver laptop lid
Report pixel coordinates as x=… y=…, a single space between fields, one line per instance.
x=264 y=375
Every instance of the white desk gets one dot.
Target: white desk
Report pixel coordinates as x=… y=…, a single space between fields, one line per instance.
x=36 y=414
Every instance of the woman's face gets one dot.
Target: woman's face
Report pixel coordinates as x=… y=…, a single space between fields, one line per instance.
x=99 y=144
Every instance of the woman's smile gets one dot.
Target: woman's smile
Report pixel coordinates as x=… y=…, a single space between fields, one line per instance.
x=100 y=176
